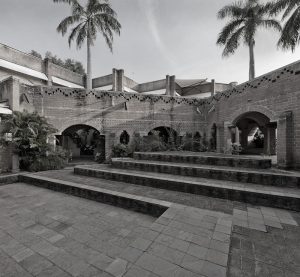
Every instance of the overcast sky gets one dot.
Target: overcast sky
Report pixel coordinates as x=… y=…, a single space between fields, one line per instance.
x=158 y=37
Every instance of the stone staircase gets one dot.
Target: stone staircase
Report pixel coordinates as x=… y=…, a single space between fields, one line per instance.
x=237 y=178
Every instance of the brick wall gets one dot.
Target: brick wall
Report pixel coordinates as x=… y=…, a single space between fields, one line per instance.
x=274 y=95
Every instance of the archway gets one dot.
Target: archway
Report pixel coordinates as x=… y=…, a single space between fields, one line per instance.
x=256 y=134
x=124 y=137
x=83 y=142
x=167 y=134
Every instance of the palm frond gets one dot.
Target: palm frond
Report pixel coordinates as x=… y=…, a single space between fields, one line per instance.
x=228 y=30
x=270 y=23
x=234 y=10
x=66 y=23
x=233 y=42
x=278 y=5
x=290 y=34
x=74 y=32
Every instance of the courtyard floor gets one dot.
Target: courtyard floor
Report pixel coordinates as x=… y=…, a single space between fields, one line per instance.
x=46 y=233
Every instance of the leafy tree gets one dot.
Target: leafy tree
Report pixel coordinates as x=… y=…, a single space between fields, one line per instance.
x=96 y=16
x=245 y=19
x=36 y=54
x=29 y=134
x=290 y=35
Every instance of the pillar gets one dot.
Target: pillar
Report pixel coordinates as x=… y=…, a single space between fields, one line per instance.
x=220 y=137
x=244 y=137
x=213 y=87
x=237 y=135
x=48 y=71
x=167 y=85
x=120 y=80
x=109 y=143
x=114 y=79
x=172 y=86
x=285 y=140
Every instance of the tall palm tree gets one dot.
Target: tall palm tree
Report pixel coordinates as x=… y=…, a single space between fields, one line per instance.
x=245 y=18
x=290 y=35
x=96 y=16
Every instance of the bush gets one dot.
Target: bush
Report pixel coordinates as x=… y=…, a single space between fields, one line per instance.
x=121 y=151
x=29 y=134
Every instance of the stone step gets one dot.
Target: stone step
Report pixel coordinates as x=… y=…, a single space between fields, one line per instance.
x=287 y=198
x=124 y=200
x=254 y=176
x=205 y=158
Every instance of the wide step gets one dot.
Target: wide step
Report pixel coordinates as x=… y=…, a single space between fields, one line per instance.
x=261 y=177
x=287 y=198
x=205 y=159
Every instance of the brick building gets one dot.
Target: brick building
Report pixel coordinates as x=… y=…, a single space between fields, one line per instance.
x=119 y=108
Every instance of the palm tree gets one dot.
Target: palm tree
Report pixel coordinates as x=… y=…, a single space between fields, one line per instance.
x=290 y=35
x=245 y=18
x=96 y=16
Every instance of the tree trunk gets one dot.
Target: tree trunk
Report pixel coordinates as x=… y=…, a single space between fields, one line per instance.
x=89 y=65
x=251 y=63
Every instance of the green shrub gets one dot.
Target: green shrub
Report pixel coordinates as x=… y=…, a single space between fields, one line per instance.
x=29 y=133
x=121 y=151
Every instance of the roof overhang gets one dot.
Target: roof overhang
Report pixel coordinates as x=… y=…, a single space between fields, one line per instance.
x=23 y=70
x=65 y=83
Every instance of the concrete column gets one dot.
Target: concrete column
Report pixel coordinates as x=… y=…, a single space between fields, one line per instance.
x=109 y=143
x=48 y=71
x=172 y=86
x=167 y=85
x=237 y=135
x=213 y=87
x=227 y=135
x=285 y=133
x=120 y=80
x=220 y=138
x=114 y=79
x=272 y=140
x=13 y=94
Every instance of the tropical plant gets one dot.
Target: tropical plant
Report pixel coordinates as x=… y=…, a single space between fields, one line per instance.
x=96 y=16
x=245 y=19
x=290 y=35
x=28 y=134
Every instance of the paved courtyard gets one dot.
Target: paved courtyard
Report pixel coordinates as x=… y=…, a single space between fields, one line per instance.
x=46 y=233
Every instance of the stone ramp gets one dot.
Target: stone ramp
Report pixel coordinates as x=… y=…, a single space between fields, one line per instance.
x=255 y=176
x=213 y=159
x=288 y=198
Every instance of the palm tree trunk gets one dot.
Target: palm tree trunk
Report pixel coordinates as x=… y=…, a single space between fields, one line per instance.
x=89 y=65
x=251 y=63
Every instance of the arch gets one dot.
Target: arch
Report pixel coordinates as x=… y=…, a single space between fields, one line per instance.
x=76 y=121
x=166 y=133
x=255 y=108
x=83 y=141
x=255 y=132
x=124 y=137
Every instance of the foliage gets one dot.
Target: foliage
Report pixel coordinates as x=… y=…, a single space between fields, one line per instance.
x=36 y=54
x=70 y=64
x=258 y=139
x=29 y=138
x=234 y=149
x=290 y=35
x=121 y=150
x=245 y=19
x=151 y=143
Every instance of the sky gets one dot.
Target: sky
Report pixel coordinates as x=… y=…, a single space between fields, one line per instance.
x=158 y=38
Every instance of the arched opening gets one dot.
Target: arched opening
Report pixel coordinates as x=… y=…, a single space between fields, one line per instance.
x=124 y=138
x=167 y=134
x=255 y=133
x=83 y=142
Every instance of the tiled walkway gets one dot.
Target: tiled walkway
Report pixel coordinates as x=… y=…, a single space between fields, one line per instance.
x=45 y=233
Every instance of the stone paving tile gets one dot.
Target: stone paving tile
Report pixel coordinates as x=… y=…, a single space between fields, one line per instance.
x=64 y=233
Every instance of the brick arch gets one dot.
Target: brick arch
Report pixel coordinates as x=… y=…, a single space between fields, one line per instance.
x=66 y=125
x=257 y=108
x=162 y=124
